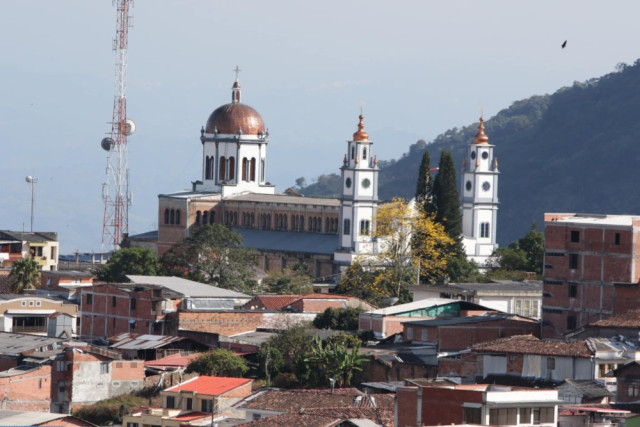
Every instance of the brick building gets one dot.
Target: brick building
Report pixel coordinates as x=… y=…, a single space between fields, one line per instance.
x=439 y=403
x=591 y=269
x=458 y=333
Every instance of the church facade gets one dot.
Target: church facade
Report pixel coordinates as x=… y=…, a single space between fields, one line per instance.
x=283 y=228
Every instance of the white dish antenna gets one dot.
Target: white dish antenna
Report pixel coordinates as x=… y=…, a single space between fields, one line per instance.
x=130 y=127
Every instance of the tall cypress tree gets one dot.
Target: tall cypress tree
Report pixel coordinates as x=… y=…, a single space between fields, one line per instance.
x=424 y=186
x=445 y=192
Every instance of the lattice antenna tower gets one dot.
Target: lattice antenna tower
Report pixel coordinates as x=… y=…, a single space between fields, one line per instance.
x=115 y=191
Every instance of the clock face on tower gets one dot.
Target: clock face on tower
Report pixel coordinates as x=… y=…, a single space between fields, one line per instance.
x=486 y=186
x=366 y=183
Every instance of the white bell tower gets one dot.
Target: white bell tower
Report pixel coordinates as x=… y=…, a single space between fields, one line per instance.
x=359 y=199
x=479 y=198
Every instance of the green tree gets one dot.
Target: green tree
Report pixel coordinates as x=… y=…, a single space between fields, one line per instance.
x=212 y=254
x=218 y=363
x=25 y=275
x=270 y=361
x=359 y=281
x=291 y=344
x=445 y=192
x=137 y=261
x=289 y=281
x=333 y=360
x=525 y=254
x=341 y=319
x=424 y=186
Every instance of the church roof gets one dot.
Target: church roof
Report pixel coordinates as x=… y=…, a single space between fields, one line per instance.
x=235 y=117
x=283 y=198
x=269 y=240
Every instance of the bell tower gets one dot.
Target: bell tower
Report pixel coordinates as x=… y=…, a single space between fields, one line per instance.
x=479 y=198
x=359 y=199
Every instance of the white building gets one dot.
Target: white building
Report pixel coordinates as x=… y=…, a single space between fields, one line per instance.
x=479 y=198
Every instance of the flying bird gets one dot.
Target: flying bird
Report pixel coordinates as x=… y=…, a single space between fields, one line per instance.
x=564 y=44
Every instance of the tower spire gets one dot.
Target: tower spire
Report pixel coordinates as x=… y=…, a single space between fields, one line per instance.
x=236 y=90
x=481 y=138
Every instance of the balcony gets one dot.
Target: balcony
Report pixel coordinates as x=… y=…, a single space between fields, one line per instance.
x=29 y=329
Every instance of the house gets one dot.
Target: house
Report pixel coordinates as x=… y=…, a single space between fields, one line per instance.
x=522 y=298
x=387 y=321
x=194 y=401
x=64 y=283
x=625 y=324
x=152 y=347
x=109 y=309
x=26 y=388
x=458 y=333
x=628 y=384
x=42 y=247
x=173 y=363
x=269 y=403
x=591 y=269
x=423 y=402
x=270 y=302
x=38 y=315
x=14 y=348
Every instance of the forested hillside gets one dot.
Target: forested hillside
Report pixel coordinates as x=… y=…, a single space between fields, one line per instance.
x=577 y=150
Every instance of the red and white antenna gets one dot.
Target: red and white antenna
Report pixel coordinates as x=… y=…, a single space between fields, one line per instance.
x=115 y=191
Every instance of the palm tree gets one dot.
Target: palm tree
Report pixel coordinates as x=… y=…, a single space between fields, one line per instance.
x=26 y=275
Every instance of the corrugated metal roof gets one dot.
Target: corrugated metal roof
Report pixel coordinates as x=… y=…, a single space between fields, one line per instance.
x=188 y=288
x=128 y=341
x=32 y=237
x=285 y=198
x=417 y=305
x=315 y=243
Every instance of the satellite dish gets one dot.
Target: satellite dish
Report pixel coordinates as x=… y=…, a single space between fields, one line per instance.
x=29 y=178
x=107 y=143
x=129 y=127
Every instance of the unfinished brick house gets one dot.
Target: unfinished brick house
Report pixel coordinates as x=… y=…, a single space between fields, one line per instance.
x=591 y=269
x=458 y=333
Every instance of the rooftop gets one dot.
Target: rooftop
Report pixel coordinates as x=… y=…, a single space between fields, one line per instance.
x=7 y=236
x=628 y=319
x=188 y=288
x=528 y=344
x=591 y=219
x=212 y=386
x=130 y=341
x=317 y=243
x=13 y=344
x=271 y=302
x=424 y=303
x=488 y=317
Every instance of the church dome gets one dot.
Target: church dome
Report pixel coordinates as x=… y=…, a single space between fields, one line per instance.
x=235 y=116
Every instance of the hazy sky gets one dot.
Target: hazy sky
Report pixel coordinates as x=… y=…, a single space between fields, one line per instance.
x=418 y=67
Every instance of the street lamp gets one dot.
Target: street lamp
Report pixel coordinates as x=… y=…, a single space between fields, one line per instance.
x=31 y=180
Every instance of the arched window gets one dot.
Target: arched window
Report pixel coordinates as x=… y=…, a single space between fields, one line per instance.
x=204 y=217
x=173 y=217
x=252 y=175
x=232 y=168
x=211 y=165
x=346 y=229
x=364 y=153
x=166 y=216
x=364 y=227
x=235 y=218
x=484 y=229
x=212 y=217
x=285 y=224
x=301 y=225
x=353 y=151
x=244 y=169
x=178 y=216
x=198 y=214
x=207 y=168
x=222 y=168
x=262 y=168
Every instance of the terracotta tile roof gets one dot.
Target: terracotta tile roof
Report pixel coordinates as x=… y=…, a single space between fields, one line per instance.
x=294 y=400
x=322 y=417
x=174 y=361
x=528 y=344
x=271 y=302
x=628 y=319
x=212 y=386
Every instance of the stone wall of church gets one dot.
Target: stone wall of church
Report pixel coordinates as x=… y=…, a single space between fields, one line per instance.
x=320 y=266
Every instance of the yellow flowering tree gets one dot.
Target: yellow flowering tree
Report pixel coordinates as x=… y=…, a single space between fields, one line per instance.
x=411 y=243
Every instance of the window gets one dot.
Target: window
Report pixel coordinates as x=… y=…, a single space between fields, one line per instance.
x=616 y=239
x=347 y=227
x=204 y=217
x=244 y=174
x=222 y=170
x=178 y=216
x=503 y=416
x=551 y=363
x=573 y=290
x=173 y=217
x=472 y=416
x=409 y=333
x=104 y=367
x=207 y=406
x=525 y=415
x=353 y=151
x=198 y=217
x=364 y=227
x=232 y=168
x=252 y=170
x=166 y=216
x=575 y=236
x=89 y=299
x=114 y=301
x=189 y=403
x=571 y=322
x=364 y=154
x=38 y=303
x=424 y=335
x=132 y=304
x=573 y=261
x=633 y=390
x=484 y=229
x=132 y=424
x=171 y=402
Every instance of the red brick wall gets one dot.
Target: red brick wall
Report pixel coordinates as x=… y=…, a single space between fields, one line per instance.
x=444 y=406
x=127 y=370
x=466 y=366
x=407 y=401
x=30 y=391
x=223 y=323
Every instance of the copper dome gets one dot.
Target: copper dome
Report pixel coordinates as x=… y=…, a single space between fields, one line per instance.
x=230 y=118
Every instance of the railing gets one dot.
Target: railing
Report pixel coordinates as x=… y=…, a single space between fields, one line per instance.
x=29 y=329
